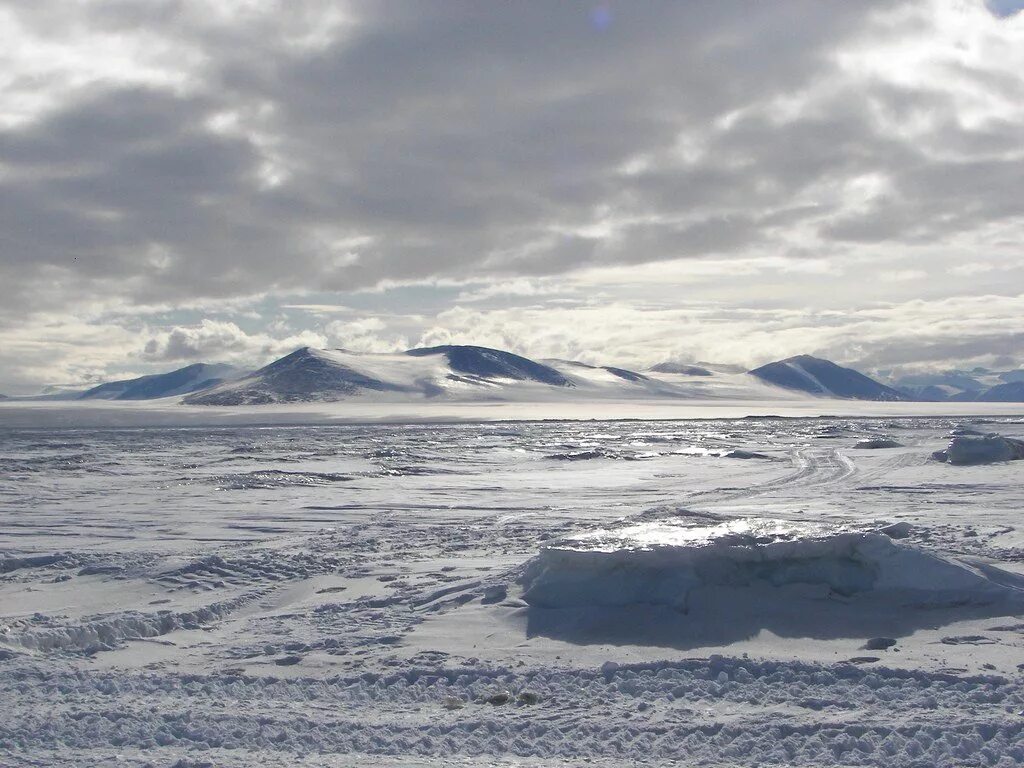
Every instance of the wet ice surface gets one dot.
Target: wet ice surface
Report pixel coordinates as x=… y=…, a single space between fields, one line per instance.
x=349 y=595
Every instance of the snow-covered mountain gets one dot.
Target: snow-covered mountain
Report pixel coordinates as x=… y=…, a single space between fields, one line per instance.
x=1008 y=392
x=473 y=373
x=463 y=373
x=816 y=376
x=309 y=375
x=953 y=381
x=484 y=364
x=182 y=381
x=976 y=385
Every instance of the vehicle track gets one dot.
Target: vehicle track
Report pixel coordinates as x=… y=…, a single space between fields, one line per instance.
x=813 y=468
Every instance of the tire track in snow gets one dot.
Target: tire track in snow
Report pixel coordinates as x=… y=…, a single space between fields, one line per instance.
x=815 y=468
x=714 y=711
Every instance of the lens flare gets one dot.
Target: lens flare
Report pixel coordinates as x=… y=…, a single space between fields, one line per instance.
x=601 y=17
x=1004 y=9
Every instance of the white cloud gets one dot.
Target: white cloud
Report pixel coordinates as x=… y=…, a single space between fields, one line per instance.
x=971 y=268
x=364 y=335
x=902 y=275
x=222 y=341
x=518 y=287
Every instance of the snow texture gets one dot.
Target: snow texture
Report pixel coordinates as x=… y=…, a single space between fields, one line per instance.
x=411 y=594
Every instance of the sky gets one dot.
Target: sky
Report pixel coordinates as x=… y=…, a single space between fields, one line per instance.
x=618 y=182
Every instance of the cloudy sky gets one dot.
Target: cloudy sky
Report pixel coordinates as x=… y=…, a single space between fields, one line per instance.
x=227 y=180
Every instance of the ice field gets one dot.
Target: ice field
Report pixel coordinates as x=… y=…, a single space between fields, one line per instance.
x=749 y=591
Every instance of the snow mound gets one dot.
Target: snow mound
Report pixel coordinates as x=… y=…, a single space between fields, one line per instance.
x=666 y=565
x=737 y=453
x=107 y=632
x=877 y=442
x=984 y=449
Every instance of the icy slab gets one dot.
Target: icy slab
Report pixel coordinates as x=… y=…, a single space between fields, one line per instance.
x=980 y=449
x=877 y=442
x=665 y=564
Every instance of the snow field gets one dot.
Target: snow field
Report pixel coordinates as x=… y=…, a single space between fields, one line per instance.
x=283 y=597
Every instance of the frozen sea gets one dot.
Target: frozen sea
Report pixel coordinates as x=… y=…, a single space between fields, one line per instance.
x=353 y=595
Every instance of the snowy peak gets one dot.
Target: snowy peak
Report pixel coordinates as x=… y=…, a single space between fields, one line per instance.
x=486 y=363
x=306 y=374
x=823 y=377
x=182 y=381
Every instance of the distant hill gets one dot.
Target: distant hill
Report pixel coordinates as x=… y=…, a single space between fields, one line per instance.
x=621 y=373
x=680 y=368
x=306 y=374
x=1010 y=392
x=929 y=393
x=957 y=380
x=978 y=385
x=182 y=381
x=488 y=363
x=823 y=377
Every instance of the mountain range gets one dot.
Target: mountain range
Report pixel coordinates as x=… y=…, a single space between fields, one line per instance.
x=976 y=385
x=464 y=372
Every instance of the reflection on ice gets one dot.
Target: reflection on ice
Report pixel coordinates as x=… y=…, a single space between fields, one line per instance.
x=736 y=532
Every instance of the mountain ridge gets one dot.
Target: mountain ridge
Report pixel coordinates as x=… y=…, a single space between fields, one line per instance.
x=469 y=372
x=181 y=381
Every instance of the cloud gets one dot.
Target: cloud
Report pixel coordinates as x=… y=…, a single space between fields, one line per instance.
x=365 y=335
x=195 y=153
x=515 y=288
x=912 y=334
x=221 y=341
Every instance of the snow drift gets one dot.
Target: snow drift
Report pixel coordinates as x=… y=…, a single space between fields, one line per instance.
x=980 y=449
x=665 y=564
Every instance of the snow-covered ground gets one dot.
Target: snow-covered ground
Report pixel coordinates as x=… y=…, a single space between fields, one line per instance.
x=366 y=410
x=735 y=591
